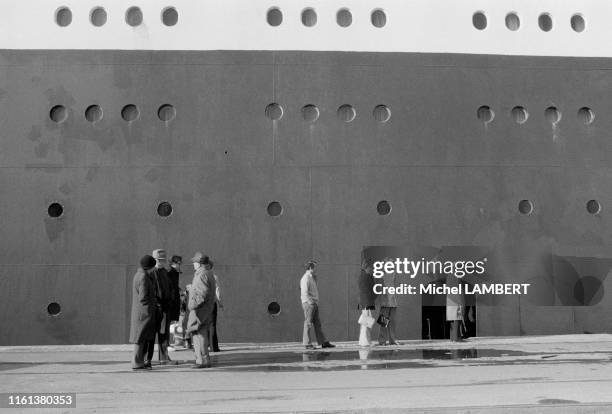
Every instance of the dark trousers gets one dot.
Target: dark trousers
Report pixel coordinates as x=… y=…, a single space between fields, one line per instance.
x=163 y=340
x=214 y=341
x=140 y=350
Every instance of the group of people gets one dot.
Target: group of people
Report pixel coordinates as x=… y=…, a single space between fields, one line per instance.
x=156 y=303
x=368 y=300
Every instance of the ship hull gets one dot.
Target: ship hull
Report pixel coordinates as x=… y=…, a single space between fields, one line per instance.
x=450 y=178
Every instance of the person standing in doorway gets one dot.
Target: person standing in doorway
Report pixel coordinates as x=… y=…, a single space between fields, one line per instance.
x=455 y=309
x=309 y=294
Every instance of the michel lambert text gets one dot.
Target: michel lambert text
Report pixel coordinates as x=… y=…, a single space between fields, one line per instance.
x=444 y=289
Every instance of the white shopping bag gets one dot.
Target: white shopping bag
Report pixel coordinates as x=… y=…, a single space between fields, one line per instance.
x=366 y=319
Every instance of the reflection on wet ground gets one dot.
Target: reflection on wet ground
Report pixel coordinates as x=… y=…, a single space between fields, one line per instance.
x=319 y=360
x=353 y=360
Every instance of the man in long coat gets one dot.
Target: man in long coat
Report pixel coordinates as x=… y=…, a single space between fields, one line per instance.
x=144 y=310
x=202 y=298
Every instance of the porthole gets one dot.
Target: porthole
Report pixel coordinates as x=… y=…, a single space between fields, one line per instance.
x=552 y=115
x=55 y=210
x=274 y=112
x=63 y=16
x=275 y=17
x=93 y=113
x=275 y=209
x=98 y=16
x=133 y=16
x=378 y=18
x=519 y=114
x=479 y=20
x=58 y=114
x=485 y=114
x=164 y=209
x=166 y=113
x=513 y=22
x=577 y=22
x=309 y=17
x=545 y=22
x=586 y=115
x=54 y=309
x=593 y=207
x=382 y=113
x=344 y=18
x=346 y=113
x=169 y=16
x=525 y=207
x=130 y=113
x=310 y=113
x=274 y=309
x=383 y=208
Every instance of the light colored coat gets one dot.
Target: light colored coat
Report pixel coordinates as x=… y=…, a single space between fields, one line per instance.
x=202 y=298
x=454 y=302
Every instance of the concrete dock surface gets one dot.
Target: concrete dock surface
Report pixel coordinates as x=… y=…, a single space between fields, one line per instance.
x=536 y=374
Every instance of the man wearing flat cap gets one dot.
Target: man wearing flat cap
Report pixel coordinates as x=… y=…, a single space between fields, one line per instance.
x=202 y=297
x=144 y=311
x=160 y=274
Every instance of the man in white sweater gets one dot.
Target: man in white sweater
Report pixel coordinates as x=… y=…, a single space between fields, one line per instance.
x=310 y=304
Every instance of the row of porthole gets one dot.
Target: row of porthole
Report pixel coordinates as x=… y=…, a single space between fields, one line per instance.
x=98 y=16
x=525 y=207
x=344 y=17
x=94 y=113
x=54 y=309
x=520 y=115
x=382 y=113
x=311 y=113
x=164 y=209
x=275 y=209
x=56 y=209
x=513 y=21
x=346 y=113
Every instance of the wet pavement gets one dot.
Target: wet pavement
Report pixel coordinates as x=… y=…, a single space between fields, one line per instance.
x=368 y=358
x=570 y=373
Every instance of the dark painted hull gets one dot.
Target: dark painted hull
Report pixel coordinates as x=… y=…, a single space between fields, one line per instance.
x=450 y=179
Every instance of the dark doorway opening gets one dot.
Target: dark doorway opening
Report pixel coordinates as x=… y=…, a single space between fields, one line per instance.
x=433 y=317
x=433 y=322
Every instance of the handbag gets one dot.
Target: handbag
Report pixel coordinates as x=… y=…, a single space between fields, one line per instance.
x=383 y=320
x=366 y=319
